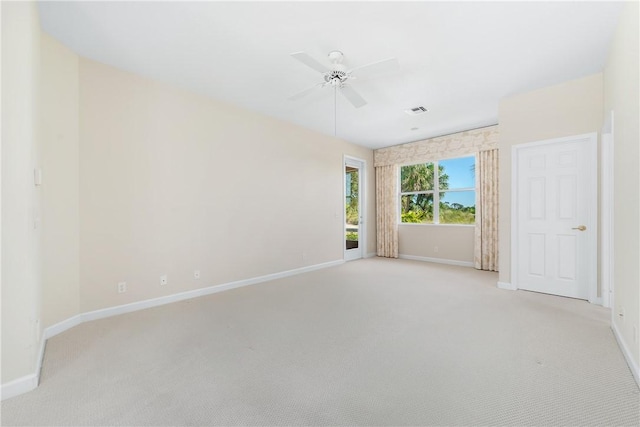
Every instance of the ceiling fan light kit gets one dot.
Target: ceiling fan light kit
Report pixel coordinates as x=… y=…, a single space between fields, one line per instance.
x=337 y=76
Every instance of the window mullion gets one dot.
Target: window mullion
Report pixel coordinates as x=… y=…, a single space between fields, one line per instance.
x=457 y=207
x=436 y=194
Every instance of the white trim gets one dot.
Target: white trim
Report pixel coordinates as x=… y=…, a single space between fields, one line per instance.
x=514 y=222
x=507 y=286
x=437 y=260
x=141 y=305
x=39 y=360
x=19 y=386
x=424 y=224
x=30 y=382
x=362 y=232
x=60 y=327
x=592 y=216
x=606 y=212
x=633 y=366
x=435 y=190
x=371 y=255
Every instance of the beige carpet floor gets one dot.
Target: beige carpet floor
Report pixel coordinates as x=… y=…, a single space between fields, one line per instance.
x=370 y=342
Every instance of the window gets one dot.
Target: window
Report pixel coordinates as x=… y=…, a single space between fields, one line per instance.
x=441 y=192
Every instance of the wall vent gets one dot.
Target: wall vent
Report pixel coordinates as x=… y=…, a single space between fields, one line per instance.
x=416 y=110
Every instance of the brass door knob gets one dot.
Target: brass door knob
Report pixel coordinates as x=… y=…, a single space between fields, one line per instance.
x=580 y=227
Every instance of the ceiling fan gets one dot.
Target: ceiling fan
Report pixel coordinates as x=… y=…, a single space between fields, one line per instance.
x=337 y=76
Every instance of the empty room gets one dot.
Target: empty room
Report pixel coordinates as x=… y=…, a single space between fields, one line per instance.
x=320 y=213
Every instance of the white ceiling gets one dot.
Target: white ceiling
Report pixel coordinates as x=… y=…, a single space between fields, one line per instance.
x=458 y=59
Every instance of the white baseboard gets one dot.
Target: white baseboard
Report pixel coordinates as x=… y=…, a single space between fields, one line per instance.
x=507 y=286
x=633 y=366
x=141 y=305
x=371 y=255
x=437 y=260
x=19 y=386
x=60 y=327
x=597 y=301
x=40 y=359
x=30 y=382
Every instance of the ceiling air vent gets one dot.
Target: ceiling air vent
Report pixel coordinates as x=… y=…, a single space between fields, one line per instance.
x=416 y=110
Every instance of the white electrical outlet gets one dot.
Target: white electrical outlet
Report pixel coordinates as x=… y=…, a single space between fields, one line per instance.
x=435 y=249
x=163 y=279
x=122 y=287
x=196 y=274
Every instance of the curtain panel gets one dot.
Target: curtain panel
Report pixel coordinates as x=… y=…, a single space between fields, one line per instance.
x=486 y=232
x=386 y=211
x=483 y=142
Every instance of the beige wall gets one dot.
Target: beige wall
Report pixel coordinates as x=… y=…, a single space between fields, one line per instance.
x=59 y=134
x=570 y=108
x=21 y=199
x=621 y=96
x=171 y=182
x=453 y=242
x=141 y=179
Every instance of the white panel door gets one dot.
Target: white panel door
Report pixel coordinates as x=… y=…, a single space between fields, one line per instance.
x=556 y=202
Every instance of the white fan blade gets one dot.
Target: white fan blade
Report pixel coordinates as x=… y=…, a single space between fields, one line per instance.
x=352 y=96
x=383 y=66
x=305 y=92
x=310 y=62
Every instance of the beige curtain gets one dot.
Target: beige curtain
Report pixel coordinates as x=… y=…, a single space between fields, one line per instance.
x=486 y=235
x=386 y=211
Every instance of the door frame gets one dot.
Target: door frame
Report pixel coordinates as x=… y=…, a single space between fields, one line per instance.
x=606 y=213
x=362 y=234
x=592 y=215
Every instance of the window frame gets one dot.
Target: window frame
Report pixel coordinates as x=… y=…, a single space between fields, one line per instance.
x=435 y=191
